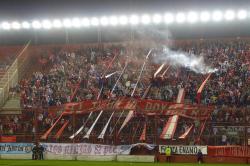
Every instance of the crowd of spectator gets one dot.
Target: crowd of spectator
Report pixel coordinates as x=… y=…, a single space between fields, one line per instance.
x=227 y=87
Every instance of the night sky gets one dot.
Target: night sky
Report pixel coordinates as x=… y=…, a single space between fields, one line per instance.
x=26 y=10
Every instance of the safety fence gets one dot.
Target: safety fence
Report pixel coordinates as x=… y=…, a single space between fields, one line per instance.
x=15 y=72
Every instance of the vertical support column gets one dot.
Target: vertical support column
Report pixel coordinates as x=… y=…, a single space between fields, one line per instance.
x=115 y=129
x=199 y=123
x=36 y=129
x=132 y=34
x=99 y=35
x=74 y=129
x=245 y=127
x=166 y=27
x=156 y=135
x=67 y=36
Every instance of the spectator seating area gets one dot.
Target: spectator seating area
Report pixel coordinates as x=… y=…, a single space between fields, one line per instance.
x=59 y=72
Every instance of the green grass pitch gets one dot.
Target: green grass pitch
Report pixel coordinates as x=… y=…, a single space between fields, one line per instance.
x=94 y=163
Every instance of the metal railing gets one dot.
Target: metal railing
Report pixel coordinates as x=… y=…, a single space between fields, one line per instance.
x=17 y=69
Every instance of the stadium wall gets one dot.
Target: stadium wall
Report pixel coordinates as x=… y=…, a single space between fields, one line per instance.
x=206 y=159
x=69 y=47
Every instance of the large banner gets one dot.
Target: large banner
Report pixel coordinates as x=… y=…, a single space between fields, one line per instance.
x=229 y=151
x=8 y=138
x=149 y=106
x=16 y=148
x=86 y=149
x=189 y=150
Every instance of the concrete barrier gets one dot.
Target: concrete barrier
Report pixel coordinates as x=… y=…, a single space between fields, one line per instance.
x=16 y=156
x=96 y=158
x=136 y=158
x=58 y=157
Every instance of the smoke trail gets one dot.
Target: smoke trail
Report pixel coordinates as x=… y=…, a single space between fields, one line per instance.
x=188 y=60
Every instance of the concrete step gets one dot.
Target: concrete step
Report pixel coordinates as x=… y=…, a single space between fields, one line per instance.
x=11 y=112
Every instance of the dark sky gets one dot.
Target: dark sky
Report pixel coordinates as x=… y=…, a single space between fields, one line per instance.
x=20 y=10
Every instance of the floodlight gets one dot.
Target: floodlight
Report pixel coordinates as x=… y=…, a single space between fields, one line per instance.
x=242 y=14
x=145 y=19
x=76 y=22
x=180 y=17
x=94 y=21
x=113 y=20
x=205 y=16
x=217 y=16
x=85 y=22
x=57 y=24
x=169 y=18
x=134 y=19
x=104 y=21
x=123 y=20
x=229 y=15
x=67 y=23
x=26 y=25
x=157 y=18
x=36 y=24
x=16 y=25
x=47 y=24
x=5 y=25
x=192 y=17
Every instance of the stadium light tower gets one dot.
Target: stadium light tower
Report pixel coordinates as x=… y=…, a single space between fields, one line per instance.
x=180 y=17
x=94 y=21
x=57 y=24
x=5 y=25
x=192 y=17
x=113 y=20
x=76 y=22
x=123 y=20
x=169 y=18
x=67 y=23
x=134 y=19
x=16 y=25
x=157 y=18
x=145 y=19
x=104 y=21
x=26 y=25
x=242 y=14
x=217 y=16
x=47 y=24
x=36 y=24
x=85 y=22
x=229 y=15
x=205 y=16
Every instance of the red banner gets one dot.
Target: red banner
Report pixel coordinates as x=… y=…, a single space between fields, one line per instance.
x=147 y=106
x=61 y=130
x=229 y=151
x=8 y=138
x=46 y=134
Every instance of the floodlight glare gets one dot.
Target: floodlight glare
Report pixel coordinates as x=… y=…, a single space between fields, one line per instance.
x=16 y=25
x=76 y=22
x=36 y=24
x=205 y=16
x=229 y=15
x=180 y=17
x=217 y=16
x=113 y=20
x=157 y=18
x=94 y=21
x=67 y=23
x=134 y=19
x=5 y=25
x=145 y=19
x=57 y=24
x=123 y=20
x=47 y=24
x=85 y=22
x=104 y=21
x=192 y=17
x=169 y=18
x=242 y=14
x=26 y=25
